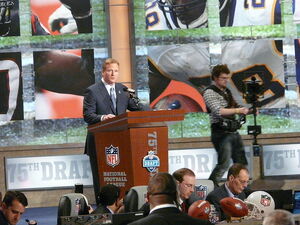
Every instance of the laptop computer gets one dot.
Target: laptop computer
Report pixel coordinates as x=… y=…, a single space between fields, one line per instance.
x=94 y=219
x=296 y=203
x=125 y=218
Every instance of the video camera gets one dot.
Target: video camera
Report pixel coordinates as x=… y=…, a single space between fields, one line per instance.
x=253 y=90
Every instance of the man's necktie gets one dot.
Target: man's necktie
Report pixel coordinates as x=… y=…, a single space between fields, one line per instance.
x=113 y=97
x=183 y=207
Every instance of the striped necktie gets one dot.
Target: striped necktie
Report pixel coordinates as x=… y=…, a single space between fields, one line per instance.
x=113 y=96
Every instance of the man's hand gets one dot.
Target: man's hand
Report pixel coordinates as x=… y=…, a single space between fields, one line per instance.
x=243 y=111
x=108 y=116
x=61 y=20
x=120 y=206
x=79 y=8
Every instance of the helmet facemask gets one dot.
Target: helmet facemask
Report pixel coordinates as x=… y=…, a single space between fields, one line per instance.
x=186 y=11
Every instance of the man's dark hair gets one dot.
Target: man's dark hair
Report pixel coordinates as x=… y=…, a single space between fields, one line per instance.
x=235 y=169
x=109 y=194
x=218 y=69
x=163 y=184
x=180 y=173
x=10 y=196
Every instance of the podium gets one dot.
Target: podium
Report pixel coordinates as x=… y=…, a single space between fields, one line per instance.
x=133 y=146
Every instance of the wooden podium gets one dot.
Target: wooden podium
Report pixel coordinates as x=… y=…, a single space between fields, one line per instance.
x=132 y=146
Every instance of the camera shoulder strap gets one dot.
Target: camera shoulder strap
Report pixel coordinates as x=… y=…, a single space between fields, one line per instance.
x=227 y=96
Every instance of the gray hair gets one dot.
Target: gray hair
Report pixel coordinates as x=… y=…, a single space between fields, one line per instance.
x=279 y=217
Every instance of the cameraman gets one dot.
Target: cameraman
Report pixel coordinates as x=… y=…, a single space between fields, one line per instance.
x=223 y=111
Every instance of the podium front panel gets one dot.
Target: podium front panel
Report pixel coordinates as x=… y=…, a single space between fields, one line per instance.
x=128 y=157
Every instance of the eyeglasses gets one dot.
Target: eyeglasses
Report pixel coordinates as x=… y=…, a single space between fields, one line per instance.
x=243 y=182
x=224 y=78
x=188 y=185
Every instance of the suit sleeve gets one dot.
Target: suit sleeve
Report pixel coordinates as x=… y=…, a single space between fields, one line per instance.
x=133 y=106
x=89 y=108
x=214 y=200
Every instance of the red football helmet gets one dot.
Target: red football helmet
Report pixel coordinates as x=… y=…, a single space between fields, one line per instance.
x=200 y=209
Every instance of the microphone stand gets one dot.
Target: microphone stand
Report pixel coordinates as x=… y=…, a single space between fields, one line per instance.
x=134 y=98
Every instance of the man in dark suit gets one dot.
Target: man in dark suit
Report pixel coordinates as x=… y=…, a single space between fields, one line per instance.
x=237 y=181
x=162 y=196
x=12 y=207
x=102 y=101
x=185 y=179
x=110 y=201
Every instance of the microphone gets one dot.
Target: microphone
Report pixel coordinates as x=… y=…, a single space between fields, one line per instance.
x=129 y=90
x=133 y=96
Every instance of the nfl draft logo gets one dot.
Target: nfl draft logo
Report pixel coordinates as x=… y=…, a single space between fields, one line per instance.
x=201 y=191
x=265 y=200
x=112 y=156
x=151 y=162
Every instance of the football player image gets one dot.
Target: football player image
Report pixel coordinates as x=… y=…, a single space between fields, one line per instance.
x=251 y=13
x=173 y=73
x=172 y=70
x=65 y=16
x=53 y=98
x=11 y=103
x=62 y=21
x=296 y=9
x=262 y=59
x=177 y=14
x=11 y=96
x=56 y=71
x=172 y=66
x=9 y=18
x=64 y=66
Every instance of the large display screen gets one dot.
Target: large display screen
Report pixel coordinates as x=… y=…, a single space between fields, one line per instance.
x=185 y=39
x=50 y=52
x=43 y=46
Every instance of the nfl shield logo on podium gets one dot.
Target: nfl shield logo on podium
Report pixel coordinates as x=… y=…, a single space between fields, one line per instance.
x=112 y=156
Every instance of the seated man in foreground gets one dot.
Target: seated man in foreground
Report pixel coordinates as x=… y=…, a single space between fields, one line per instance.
x=279 y=216
x=163 y=199
x=12 y=207
x=185 y=180
x=110 y=201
